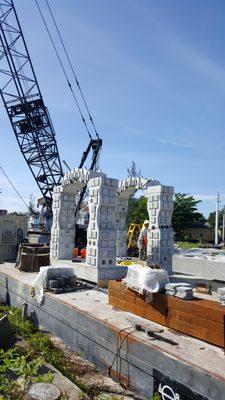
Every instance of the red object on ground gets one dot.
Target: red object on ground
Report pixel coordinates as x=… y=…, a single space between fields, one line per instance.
x=83 y=253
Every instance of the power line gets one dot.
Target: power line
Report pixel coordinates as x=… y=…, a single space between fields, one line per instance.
x=4 y=173
x=63 y=68
x=71 y=66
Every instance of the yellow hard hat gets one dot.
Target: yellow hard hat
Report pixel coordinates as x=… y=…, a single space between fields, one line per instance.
x=146 y=222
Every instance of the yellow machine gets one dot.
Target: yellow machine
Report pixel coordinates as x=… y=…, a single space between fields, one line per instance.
x=132 y=238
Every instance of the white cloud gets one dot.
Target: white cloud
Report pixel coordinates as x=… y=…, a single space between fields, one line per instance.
x=209 y=68
x=176 y=143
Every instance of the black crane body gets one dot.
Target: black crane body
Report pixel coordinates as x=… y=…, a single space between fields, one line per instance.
x=25 y=107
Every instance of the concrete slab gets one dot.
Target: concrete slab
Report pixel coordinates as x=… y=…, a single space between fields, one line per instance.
x=100 y=276
x=105 y=336
x=83 y=271
x=208 y=269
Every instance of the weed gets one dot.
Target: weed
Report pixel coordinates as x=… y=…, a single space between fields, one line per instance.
x=17 y=371
x=105 y=396
x=156 y=396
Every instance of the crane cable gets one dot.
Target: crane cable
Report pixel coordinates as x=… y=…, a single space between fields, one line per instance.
x=63 y=68
x=10 y=182
x=72 y=68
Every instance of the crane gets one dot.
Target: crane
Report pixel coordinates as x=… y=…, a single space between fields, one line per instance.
x=26 y=109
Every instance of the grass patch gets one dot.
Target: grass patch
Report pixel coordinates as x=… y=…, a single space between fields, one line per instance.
x=18 y=369
x=39 y=348
x=188 y=245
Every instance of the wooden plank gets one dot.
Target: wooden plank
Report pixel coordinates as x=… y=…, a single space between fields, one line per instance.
x=142 y=311
x=196 y=321
x=198 y=333
x=202 y=308
x=175 y=321
x=194 y=318
x=147 y=311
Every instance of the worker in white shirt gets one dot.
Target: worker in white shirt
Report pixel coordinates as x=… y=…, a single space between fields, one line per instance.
x=143 y=240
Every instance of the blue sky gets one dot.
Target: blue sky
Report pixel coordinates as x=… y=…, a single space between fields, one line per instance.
x=153 y=73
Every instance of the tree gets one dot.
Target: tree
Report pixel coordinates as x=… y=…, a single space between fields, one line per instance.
x=137 y=210
x=212 y=216
x=185 y=214
x=137 y=207
x=132 y=170
x=31 y=205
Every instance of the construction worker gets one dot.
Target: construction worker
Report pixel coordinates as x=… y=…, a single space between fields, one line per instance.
x=143 y=240
x=47 y=215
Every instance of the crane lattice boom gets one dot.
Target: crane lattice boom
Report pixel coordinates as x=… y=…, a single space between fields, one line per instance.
x=24 y=104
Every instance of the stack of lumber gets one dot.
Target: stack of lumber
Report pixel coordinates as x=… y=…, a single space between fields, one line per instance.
x=202 y=319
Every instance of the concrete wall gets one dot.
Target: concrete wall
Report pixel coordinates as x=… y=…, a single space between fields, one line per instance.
x=9 y=225
x=208 y=269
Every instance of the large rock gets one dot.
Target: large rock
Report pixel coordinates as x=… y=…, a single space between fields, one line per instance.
x=44 y=391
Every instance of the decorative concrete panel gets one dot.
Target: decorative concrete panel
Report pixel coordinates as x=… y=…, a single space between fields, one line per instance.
x=101 y=234
x=160 y=235
x=63 y=209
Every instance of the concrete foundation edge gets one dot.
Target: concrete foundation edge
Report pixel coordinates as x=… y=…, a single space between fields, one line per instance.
x=97 y=341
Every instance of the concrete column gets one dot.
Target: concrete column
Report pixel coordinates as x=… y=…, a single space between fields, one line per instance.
x=63 y=208
x=101 y=235
x=63 y=227
x=160 y=235
x=121 y=237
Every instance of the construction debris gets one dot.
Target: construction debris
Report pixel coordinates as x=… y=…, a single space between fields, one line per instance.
x=221 y=293
x=181 y=290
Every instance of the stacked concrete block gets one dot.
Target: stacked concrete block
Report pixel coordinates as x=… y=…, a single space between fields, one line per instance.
x=101 y=235
x=63 y=227
x=63 y=209
x=160 y=235
x=127 y=188
x=121 y=236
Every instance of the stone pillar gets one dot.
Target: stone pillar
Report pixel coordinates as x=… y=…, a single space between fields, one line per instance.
x=63 y=226
x=63 y=209
x=121 y=214
x=101 y=235
x=160 y=235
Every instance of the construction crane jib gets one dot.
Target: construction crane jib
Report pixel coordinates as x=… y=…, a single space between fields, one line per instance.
x=25 y=107
x=24 y=104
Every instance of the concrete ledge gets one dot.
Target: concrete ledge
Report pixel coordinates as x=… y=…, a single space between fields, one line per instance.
x=100 y=276
x=208 y=269
x=86 y=322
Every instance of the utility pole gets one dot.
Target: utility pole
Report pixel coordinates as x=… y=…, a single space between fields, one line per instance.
x=217 y=217
x=223 y=231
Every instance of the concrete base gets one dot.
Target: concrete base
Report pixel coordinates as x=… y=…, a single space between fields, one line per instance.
x=106 y=336
x=208 y=269
x=100 y=276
